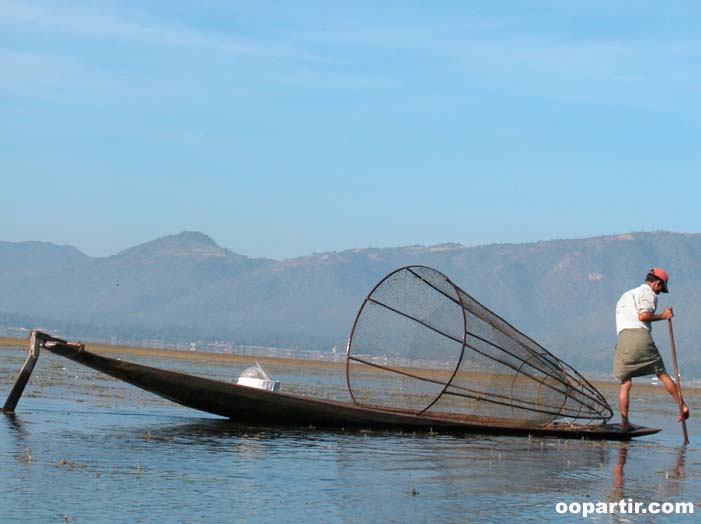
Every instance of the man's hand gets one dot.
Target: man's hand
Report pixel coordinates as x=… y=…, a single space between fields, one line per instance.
x=667 y=313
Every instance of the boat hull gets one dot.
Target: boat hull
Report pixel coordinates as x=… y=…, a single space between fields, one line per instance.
x=250 y=405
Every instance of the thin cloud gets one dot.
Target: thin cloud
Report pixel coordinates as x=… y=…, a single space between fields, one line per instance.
x=440 y=59
x=509 y=56
x=134 y=27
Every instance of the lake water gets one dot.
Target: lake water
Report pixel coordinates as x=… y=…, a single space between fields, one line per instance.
x=85 y=448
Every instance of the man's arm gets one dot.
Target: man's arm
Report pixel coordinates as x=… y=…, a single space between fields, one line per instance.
x=649 y=316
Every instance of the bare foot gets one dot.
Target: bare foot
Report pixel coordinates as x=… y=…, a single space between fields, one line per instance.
x=685 y=411
x=626 y=426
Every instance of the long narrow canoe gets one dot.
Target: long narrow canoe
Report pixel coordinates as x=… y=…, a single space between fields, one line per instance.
x=251 y=405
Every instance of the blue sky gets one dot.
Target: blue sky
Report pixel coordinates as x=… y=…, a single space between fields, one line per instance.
x=282 y=129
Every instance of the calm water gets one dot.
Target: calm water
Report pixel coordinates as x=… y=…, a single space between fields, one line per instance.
x=86 y=448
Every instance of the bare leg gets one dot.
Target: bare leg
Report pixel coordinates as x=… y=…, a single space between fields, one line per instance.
x=623 y=401
x=671 y=388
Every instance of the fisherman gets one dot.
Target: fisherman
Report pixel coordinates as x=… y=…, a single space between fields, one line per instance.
x=636 y=354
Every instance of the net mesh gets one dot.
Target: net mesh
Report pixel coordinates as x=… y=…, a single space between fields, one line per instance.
x=420 y=344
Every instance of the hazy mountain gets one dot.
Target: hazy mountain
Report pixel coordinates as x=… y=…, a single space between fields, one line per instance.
x=561 y=292
x=35 y=257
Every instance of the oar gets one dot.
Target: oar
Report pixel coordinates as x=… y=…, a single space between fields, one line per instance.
x=678 y=381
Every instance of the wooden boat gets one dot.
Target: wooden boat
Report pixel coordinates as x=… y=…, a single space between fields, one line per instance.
x=416 y=350
x=251 y=405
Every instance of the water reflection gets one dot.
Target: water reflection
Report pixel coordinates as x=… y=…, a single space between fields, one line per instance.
x=14 y=424
x=668 y=485
x=618 y=471
x=481 y=473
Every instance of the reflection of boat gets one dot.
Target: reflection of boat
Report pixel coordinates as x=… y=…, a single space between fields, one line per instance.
x=413 y=315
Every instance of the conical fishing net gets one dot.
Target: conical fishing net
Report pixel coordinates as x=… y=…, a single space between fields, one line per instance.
x=420 y=344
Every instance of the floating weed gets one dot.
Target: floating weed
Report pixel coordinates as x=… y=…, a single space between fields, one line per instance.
x=27 y=456
x=139 y=468
x=673 y=475
x=413 y=492
x=246 y=449
x=71 y=465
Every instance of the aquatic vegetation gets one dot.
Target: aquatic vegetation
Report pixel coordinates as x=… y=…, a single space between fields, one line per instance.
x=27 y=456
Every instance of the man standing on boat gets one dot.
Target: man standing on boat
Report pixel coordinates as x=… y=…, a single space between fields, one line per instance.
x=636 y=354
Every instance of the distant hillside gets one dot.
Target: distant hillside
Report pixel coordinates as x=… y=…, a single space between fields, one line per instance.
x=185 y=286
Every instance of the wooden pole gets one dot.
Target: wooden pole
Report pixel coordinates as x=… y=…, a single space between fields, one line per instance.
x=678 y=381
x=24 y=374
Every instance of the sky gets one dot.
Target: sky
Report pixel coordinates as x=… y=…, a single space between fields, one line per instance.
x=285 y=128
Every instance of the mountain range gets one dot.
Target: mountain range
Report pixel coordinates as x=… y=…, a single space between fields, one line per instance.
x=562 y=293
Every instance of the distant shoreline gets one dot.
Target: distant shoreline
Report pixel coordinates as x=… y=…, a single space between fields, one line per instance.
x=179 y=354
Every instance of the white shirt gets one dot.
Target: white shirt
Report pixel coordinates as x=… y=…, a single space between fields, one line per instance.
x=631 y=303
